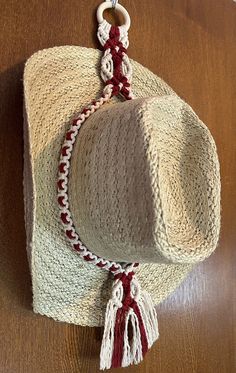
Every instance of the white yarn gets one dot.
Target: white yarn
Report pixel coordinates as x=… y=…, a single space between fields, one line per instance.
x=106 y=66
x=110 y=318
x=147 y=310
x=132 y=350
x=108 y=335
x=149 y=316
x=103 y=33
x=107 y=61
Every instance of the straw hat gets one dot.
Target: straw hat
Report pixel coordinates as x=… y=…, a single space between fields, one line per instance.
x=137 y=193
x=144 y=184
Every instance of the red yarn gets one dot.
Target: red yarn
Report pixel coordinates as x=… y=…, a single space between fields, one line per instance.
x=60 y=184
x=61 y=201
x=117 y=51
x=62 y=167
x=77 y=247
x=127 y=303
x=69 y=134
x=118 y=338
x=64 y=217
x=64 y=150
x=69 y=234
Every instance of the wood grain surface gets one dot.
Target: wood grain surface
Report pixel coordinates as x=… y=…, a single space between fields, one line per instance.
x=192 y=45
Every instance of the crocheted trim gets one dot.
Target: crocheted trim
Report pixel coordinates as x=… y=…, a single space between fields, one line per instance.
x=116 y=72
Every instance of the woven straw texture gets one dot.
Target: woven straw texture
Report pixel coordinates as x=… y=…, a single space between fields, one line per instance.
x=143 y=183
x=176 y=218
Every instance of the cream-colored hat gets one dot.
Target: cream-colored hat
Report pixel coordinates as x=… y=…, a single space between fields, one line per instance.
x=137 y=193
x=144 y=184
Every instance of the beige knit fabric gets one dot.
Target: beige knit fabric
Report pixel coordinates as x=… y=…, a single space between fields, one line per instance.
x=58 y=82
x=141 y=183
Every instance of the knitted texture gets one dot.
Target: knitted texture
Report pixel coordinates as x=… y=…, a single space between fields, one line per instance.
x=145 y=183
x=58 y=83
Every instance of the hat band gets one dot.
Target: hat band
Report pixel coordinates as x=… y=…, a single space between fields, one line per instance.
x=116 y=72
x=128 y=306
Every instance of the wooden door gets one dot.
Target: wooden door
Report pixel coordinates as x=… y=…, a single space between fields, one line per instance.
x=191 y=44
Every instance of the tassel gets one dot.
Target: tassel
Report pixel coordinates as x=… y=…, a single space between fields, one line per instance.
x=128 y=311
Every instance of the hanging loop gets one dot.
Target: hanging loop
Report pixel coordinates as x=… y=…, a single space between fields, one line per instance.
x=108 y=4
x=114 y=3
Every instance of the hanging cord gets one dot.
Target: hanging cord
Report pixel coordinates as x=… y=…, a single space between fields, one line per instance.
x=128 y=306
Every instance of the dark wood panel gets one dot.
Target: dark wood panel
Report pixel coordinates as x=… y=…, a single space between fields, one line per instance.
x=192 y=45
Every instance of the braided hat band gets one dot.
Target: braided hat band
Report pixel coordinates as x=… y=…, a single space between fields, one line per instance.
x=113 y=63
x=128 y=305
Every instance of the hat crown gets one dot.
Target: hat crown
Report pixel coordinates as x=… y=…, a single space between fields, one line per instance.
x=139 y=183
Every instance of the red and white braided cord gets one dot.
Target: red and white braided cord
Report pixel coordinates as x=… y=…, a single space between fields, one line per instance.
x=116 y=72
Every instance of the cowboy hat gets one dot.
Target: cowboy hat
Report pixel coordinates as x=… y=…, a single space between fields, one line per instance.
x=144 y=185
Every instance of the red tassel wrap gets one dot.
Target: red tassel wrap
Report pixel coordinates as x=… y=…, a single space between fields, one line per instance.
x=129 y=311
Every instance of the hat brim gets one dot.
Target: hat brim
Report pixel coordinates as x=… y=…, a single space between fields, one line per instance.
x=58 y=83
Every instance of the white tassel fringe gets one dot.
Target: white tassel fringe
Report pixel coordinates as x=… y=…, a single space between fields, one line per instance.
x=131 y=349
